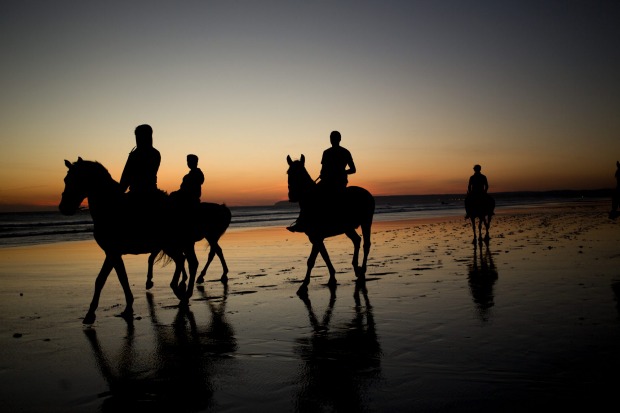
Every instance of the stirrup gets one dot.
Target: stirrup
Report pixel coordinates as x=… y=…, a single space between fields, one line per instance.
x=295 y=227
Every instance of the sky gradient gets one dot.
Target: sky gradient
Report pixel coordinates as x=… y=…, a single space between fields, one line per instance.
x=420 y=90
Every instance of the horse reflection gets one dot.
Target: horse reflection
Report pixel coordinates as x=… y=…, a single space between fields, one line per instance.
x=219 y=336
x=339 y=362
x=179 y=376
x=482 y=278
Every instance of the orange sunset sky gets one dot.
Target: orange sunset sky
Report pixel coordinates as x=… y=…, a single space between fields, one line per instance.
x=420 y=90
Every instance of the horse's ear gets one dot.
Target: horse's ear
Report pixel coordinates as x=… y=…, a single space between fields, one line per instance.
x=80 y=159
x=68 y=164
x=302 y=159
x=289 y=160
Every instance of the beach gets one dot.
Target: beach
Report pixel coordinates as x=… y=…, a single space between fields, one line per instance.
x=528 y=321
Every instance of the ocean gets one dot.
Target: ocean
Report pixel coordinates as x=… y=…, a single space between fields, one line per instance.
x=32 y=228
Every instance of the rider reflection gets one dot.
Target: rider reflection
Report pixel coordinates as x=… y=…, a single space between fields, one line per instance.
x=482 y=277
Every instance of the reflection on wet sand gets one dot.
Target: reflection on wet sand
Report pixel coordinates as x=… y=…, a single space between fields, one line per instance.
x=482 y=278
x=339 y=362
x=179 y=376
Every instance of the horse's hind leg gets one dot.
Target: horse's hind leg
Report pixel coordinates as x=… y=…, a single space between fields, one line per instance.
x=106 y=268
x=121 y=273
x=473 y=227
x=149 y=274
x=357 y=241
x=201 y=277
x=220 y=254
x=192 y=266
x=214 y=250
x=487 y=225
x=366 y=234
x=179 y=261
x=330 y=267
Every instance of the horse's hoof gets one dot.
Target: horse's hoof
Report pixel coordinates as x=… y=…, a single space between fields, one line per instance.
x=177 y=293
x=302 y=291
x=127 y=315
x=149 y=284
x=89 y=318
x=200 y=279
x=224 y=279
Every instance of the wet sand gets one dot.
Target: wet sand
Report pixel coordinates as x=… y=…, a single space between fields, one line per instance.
x=529 y=321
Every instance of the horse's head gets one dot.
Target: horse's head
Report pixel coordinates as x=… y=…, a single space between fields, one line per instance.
x=83 y=178
x=299 y=179
x=75 y=188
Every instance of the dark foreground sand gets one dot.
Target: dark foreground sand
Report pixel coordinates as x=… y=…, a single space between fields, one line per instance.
x=530 y=321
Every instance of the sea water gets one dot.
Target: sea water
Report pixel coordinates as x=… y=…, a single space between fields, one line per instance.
x=32 y=228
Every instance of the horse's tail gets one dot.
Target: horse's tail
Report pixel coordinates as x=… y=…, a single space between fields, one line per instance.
x=216 y=220
x=162 y=258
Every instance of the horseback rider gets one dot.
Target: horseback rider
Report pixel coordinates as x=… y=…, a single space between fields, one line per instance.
x=140 y=172
x=190 y=190
x=140 y=177
x=333 y=177
x=334 y=165
x=476 y=189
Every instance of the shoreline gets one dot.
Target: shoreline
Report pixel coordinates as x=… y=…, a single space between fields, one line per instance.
x=530 y=319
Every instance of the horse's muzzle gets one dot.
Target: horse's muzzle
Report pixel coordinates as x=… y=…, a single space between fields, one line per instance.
x=66 y=209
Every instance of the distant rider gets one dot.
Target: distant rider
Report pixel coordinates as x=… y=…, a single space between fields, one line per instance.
x=476 y=190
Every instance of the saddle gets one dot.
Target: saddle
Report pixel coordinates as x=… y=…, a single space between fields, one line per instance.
x=327 y=206
x=479 y=204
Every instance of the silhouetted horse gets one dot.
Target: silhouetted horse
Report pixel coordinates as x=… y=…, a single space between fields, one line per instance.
x=217 y=219
x=483 y=208
x=325 y=220
x=118 y=230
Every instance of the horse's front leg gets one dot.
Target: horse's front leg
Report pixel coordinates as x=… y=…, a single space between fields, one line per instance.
x=149 y=274
x=106 y=268
x=303 y=289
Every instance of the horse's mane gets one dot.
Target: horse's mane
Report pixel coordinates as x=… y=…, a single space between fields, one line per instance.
x=94 y=167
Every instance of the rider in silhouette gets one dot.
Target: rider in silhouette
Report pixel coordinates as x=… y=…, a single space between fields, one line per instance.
x=190 y=191
x=140 y=172
x=333 y=176
x=476 y=189
x=334 y=165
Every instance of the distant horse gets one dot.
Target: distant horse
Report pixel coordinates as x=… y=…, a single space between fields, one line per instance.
x=120 y=231
x=217 y=219
x=483 y=208
x=324 y=220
